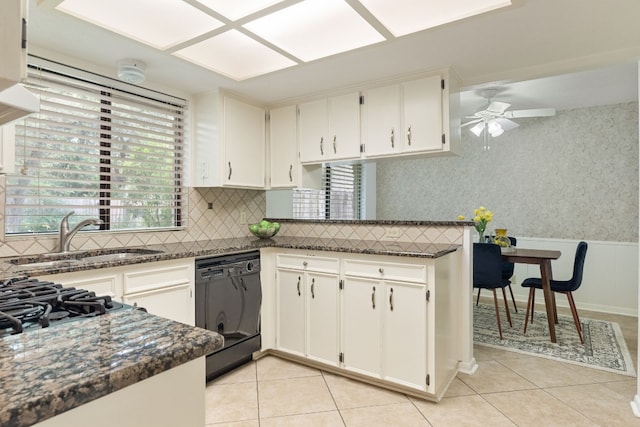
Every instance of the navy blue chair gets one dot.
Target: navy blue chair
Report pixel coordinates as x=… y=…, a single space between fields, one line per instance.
x=487 y=274
x=507 y=274
x=566 y=287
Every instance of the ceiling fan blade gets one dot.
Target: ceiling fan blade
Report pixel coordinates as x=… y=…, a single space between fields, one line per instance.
x=506 y=123
x=471 y=122
x=534 y=112
x=498 y=107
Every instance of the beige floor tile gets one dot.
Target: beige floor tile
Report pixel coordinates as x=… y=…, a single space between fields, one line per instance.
x=548 y=373
x=482 y=353
x=399 y=414
x=462 y=411
x=458 y=388
x=318 y=419
x=599 y=403
x=494 y=377
x=294 y=396
x=231 y=402
x=275 y=368
x=349 y=393
x=537 y=408
x=247 y=423
x=243 y=374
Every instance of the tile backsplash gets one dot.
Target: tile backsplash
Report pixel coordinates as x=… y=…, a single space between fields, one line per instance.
x=231 y=210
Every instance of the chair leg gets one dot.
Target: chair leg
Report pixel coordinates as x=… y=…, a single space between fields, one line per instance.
x=574 y=313
x=533 y=302
x=529 y=308
x=515 y=307
x=495 y=301
x=506 y=307
x=478 y=299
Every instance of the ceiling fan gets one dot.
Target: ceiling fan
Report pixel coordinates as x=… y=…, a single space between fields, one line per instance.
x=495 y=118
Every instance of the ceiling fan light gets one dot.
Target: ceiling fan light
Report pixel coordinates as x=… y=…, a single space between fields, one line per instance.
x=495 y=129
x=477 y=129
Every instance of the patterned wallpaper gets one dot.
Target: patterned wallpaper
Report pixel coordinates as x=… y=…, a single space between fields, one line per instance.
x=572 y=176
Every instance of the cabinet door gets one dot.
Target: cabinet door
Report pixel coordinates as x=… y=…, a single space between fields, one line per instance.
x=322 y=317
x=312 y=131
x=363 y=302
x=283 y=148
x=13 y=67
x=405 y=332
x=381 y=121
x=422 y=105
x=290 y=324
x=244 y=144
x=344 y=126
x=175 y=303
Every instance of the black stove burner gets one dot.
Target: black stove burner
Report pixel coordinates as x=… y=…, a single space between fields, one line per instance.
x=28 y=303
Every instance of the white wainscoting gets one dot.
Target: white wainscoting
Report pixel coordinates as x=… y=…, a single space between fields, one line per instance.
x=610 y=281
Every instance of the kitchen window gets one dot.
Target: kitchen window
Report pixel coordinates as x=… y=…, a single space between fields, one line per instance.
x=340 y=197
x=102 y=148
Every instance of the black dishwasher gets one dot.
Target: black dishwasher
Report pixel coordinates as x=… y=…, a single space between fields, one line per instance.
x=228 y=299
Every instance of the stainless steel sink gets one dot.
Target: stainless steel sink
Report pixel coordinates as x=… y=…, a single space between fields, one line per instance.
x=114 y=256
x=61 y=260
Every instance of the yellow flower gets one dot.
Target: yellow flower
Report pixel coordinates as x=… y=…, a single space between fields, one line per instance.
x=460 y=217
x=477 y=219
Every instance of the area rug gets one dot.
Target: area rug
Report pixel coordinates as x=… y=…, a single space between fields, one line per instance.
x=604 y=346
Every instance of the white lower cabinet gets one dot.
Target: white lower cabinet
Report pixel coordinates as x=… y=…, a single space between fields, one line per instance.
x=385 y=319
x=163 y=288
x=308 y=307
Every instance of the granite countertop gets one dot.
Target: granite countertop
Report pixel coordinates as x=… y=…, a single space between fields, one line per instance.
x=45 y=372
x=202 y=248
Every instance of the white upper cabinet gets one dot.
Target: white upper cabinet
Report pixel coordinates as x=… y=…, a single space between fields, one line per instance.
x=412 y=117
x=381 y=132
x=230 y=144
x=329 y=129
x=13 y=65
x=283 y=147
x=423 y=127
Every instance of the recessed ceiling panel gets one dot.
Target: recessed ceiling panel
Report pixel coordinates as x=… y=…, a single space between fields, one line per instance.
x=158 y=23
x=315 y=29
x=235 y=55
x=403 y=17
x=235 y=9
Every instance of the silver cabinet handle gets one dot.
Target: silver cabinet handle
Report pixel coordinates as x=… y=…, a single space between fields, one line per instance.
x=335 y=151
x=290 y=173
x=381 y=270
x=298 y=285
x=373 y=298
x=313 y=282
x=391 y=299
x=230 y=171
x=322 y=146
x=409 y=135
x=393 y=138
x=305 y=263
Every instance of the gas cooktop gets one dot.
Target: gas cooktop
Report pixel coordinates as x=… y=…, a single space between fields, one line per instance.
x=28 y=303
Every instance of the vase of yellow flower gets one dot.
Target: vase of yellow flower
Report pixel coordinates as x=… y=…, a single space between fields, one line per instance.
x=481 y=217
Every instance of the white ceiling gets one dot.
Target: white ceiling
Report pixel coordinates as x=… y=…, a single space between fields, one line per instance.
x=531 y=39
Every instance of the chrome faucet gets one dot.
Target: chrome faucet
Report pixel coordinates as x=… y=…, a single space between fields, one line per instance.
x=66 y=235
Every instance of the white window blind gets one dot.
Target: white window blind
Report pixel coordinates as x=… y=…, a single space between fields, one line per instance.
x=101 y=151
x=339 y=198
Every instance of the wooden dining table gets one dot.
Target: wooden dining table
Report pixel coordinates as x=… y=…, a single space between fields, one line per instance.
x=543 y=259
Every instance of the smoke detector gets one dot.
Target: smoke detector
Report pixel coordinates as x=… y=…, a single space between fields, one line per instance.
x=132 y=71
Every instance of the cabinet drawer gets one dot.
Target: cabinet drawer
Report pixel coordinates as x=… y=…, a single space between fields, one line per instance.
x=386 y=270
x=309 y=263
x=160 y=276
x=101 y=284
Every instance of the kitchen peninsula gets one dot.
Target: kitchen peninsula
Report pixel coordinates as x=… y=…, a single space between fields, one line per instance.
x=358 y=251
